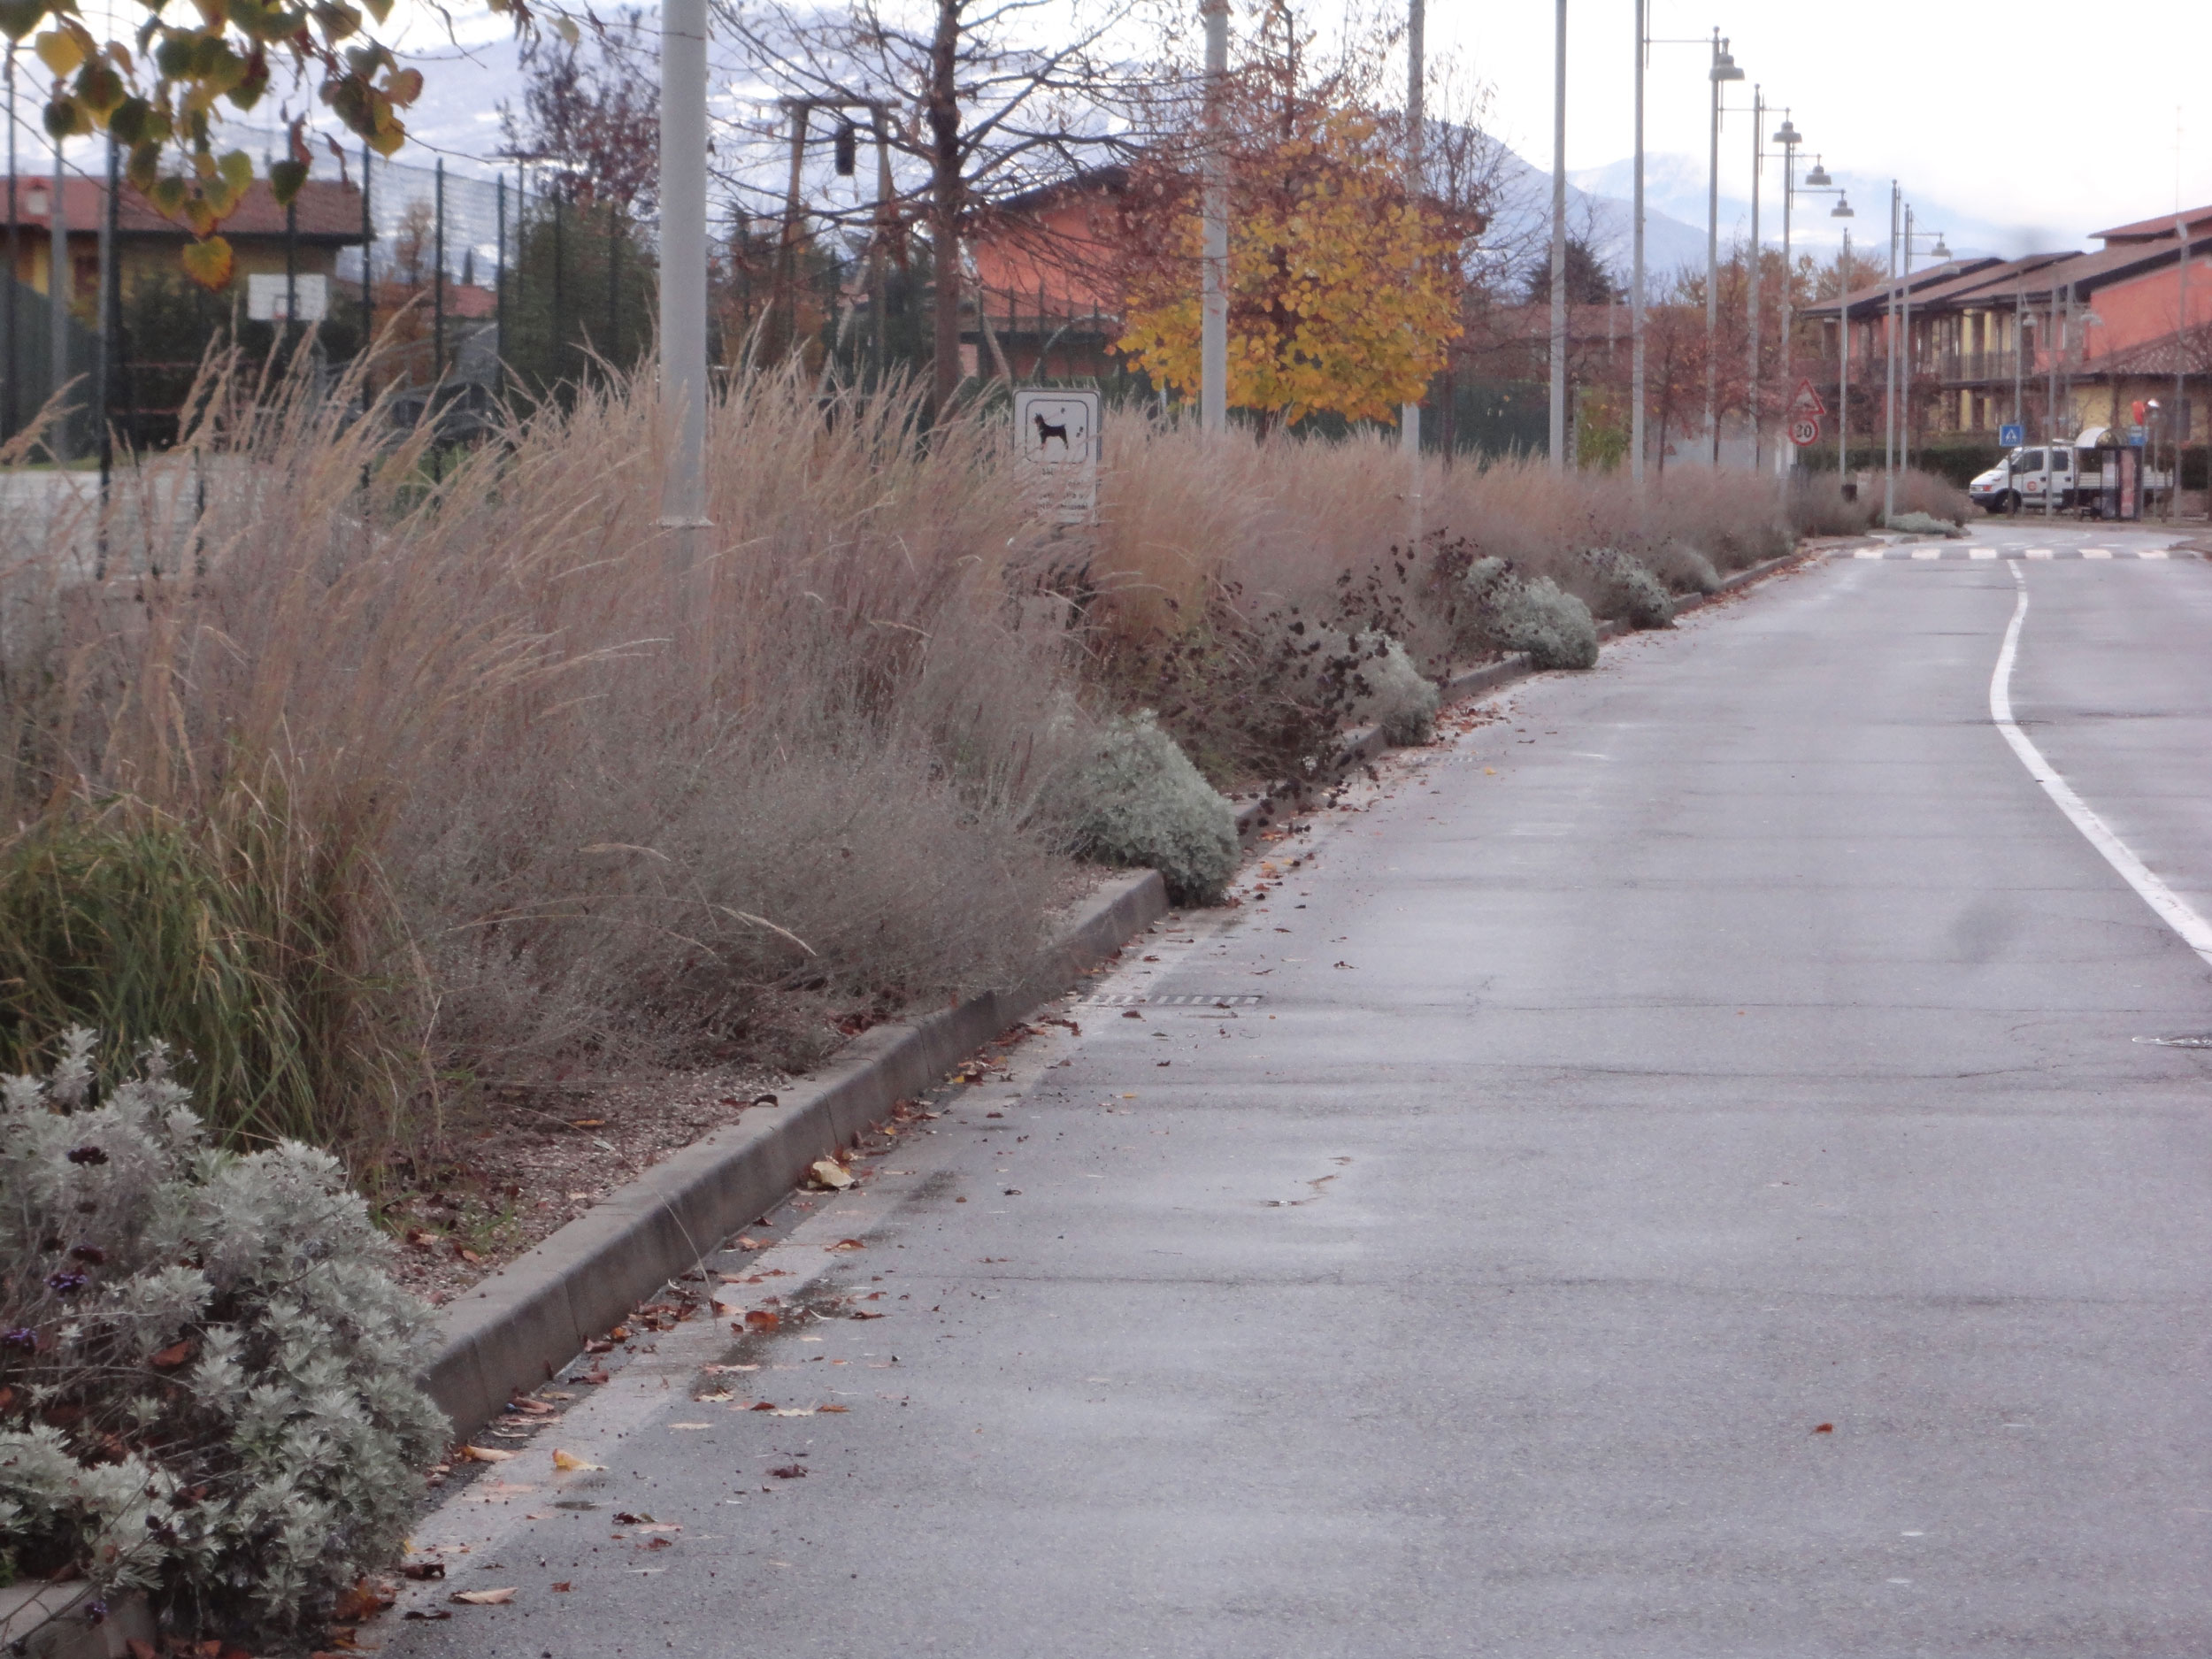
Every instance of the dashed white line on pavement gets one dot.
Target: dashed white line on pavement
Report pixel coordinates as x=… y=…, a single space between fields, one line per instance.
x=2174 y=910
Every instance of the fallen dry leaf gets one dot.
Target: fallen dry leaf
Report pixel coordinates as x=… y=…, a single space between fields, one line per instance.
x=845 y=1245
x=863 y=1313
x=486 y=1598
x=790 y=1471
x=761 y=1319
x=598 y=1374
x=747 y=1243
x=572 y=1463
x=422 y=1570
x=365 y=1598
x=537 y=1406
x=173 y=1357
x=562 y=1588
x=826 y=1409
x=427 y=1613
x=830 y=1174
x=661 y=1543
x=1824 y=1428
x=485 y=1455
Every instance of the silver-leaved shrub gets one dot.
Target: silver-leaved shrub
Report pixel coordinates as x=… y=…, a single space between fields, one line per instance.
x=1625 y=590
x=207 y=1384
x=1133 y=798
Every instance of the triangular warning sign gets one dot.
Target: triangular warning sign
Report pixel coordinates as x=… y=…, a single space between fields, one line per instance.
x=1808 y=401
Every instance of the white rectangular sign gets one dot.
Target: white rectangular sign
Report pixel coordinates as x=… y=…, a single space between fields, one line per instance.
x=264 y=298
x=1056 y=442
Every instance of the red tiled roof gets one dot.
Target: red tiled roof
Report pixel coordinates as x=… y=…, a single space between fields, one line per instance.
x=2158 y=229
x=325 y=211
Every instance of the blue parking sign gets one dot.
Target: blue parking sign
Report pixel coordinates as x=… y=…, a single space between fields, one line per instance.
x=2012 y=434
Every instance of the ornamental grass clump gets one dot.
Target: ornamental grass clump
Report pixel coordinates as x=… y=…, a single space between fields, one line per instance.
x=207 y=1387
x=1135 y=799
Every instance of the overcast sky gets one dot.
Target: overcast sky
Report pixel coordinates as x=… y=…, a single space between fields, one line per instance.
x=2051 y=120
x=2056 y=119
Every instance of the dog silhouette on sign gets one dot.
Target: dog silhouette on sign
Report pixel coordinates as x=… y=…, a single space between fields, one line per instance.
x=1047 y=432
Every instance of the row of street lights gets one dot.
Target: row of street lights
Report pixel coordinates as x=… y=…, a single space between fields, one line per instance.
x=1721 y=69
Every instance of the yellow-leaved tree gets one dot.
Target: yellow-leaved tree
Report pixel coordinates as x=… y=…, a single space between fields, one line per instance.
x=1343 y=287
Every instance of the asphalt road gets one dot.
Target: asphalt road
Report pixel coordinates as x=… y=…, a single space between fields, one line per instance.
x=1690 y=1187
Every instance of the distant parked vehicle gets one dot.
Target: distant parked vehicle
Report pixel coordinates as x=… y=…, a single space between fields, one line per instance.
x=2095 y=476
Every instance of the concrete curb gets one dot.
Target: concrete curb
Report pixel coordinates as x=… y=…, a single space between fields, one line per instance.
x=1364 y=743
x=524 y=1322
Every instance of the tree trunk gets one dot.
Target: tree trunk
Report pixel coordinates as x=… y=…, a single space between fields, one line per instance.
x=946 y=190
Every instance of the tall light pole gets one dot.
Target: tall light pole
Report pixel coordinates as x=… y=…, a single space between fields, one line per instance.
x=1789 y=138
x=1559 y=243
x=1636 y=280
x=57 y=298
x=1213 y=317
x=1410 y=413
x=1724 y=68
x=1842 y=210
x=1758 y=160
x=683 y=273
x=1889 y=369
x=1938 y=253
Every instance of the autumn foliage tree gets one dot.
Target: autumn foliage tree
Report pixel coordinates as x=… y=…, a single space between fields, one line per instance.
x=1343 y=287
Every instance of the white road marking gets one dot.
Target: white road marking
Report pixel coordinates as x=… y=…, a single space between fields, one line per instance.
x=2096 y=552
x=2152 y=553
x=2039 y=552
x=1927 y=552
x=1981 y=552
x=1868 y=553
x=2195 y=931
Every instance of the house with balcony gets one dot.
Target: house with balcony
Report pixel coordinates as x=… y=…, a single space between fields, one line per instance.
x=1989 y=340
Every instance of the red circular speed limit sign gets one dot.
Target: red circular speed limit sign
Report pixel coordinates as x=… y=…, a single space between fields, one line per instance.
x=1804 y=430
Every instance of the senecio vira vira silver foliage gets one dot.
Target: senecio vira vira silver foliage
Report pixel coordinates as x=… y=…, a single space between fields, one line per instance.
x=206 y=1376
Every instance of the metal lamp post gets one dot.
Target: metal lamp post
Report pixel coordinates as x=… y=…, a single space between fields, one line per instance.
x=1724 y=68
x=1751 y=302
x=1940 y=253
x=1842 y=210
x=1558 y=427
x=1819 y=183
x=1644 y=42
x=1213 y=315
x=683 y=273
x=1788 y=137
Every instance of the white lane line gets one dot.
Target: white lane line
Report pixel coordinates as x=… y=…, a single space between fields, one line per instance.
x=2096 y=552
x=1868 y=553
x=2039 y=552
x=1927 y=552
x=2152 y=553
x=2195 y=931
x=1981 y=552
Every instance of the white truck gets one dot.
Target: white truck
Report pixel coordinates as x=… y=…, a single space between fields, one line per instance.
x=2096 y=475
